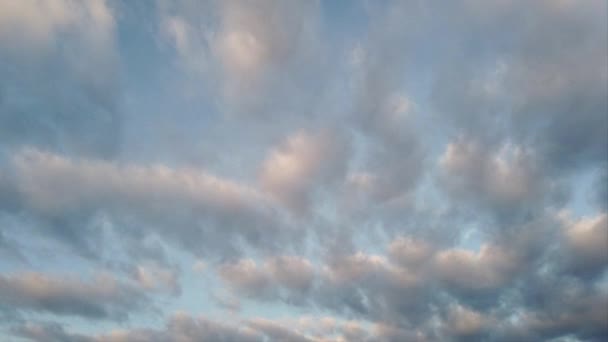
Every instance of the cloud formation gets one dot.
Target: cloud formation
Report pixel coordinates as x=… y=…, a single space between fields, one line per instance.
x=181 y=170
x=103 y=297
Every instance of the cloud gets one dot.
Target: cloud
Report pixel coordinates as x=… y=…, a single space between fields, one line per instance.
x=227 y=301
x=192 y=51
x=104 y=297
x=250 y=52
x=179 y=327
x=410 y=252
x=538 y=89
x=49 y=95
x=490 y=267
x=245 y=276
x=261 y=280
x=200 y=266
x=475 y=290
x=52 y=332
x=383 y=112
x=193 y=202
x=302 y=162
x=182 y=327
x=585 y=318
x=506 y=182
x=291 y=272
x=277 y=332
x=368 y=285
x=368 y=171
x=155 y=277
x=585 y=239
x=466 y=323
x=40 y=23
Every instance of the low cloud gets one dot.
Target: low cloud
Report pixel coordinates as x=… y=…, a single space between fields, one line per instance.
x=366 y=170
x=102 y=297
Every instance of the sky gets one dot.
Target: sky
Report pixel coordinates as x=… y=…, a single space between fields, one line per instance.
x=366 y=171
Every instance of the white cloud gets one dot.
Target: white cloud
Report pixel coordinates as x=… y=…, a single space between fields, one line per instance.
x=410 y=252
x=199 y=266
x=301 y=162
x=245 y=276
x=102 y=297
x=490 y=267
x=352 y=158
x=587 y=238
x=464 y=322
x=502 y=179
x=293 y=272
x=157 y=278
x=53 y=183
x=179 y=204
x=39 y=22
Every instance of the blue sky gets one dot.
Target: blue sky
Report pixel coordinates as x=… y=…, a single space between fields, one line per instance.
x=180 y=170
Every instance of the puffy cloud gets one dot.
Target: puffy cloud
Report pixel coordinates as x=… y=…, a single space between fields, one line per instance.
x=104 y=297
x=199 y=266
x=59 y=85
x=47 y=332
x=385 y=332
x=40 y=22
x=41 y=175
x=585 y=318
x=251 y=52
x=191 y=201
x=253 y=42
x=277 y=332
x=463 y=322
x=358 y=267
x=411 y=171
x=183 y=327
x=191 y=49
x=490 y=267
x=291 y=271
x=474 y=290
x=227 y=300
x=410 y=252
x=302 y=162
x=586 y=240
x=508 y=181
x=245 y=276
x=538 y=88
x=385 y=114
x=155 y=277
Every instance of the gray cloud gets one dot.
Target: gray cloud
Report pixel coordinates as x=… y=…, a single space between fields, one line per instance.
x=69 y=192
x=182 y=327
x=537 y=87
x=102 y=298
x=255 y=56
x=585 y=244
x=266 y=279
x=300 y=165
x=384 y=114
x=420 y=170
x=506 y=180
x=61 y=96
x=51 y=332
x=472 y=293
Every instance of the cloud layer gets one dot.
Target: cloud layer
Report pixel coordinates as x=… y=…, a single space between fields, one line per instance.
x=303 y=171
